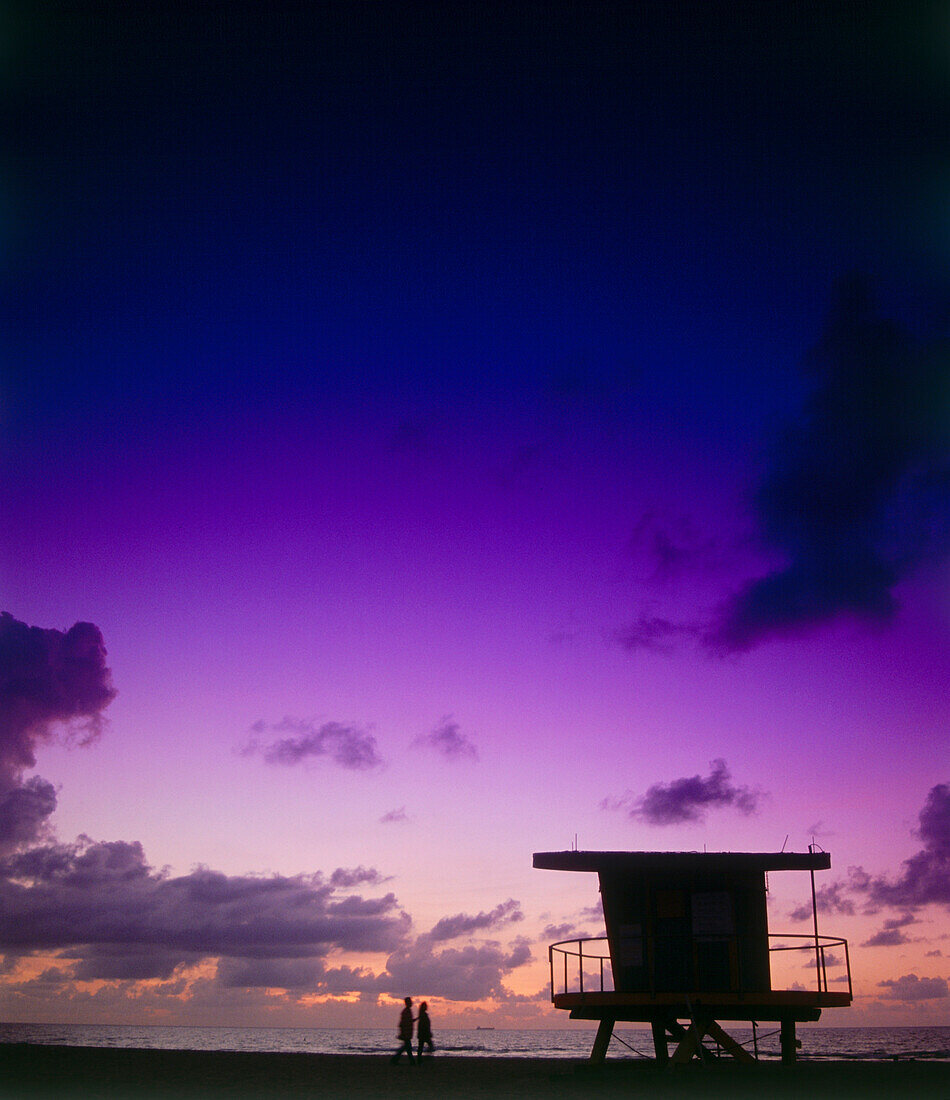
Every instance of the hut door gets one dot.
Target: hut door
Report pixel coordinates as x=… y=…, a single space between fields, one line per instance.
x=714 y=940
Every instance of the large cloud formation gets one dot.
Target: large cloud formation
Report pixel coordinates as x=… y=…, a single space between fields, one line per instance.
x=911 y=988
x=686 y=800
x=50 y=682
x=924 y=878
x=104 y=913
x=858 y=490
x=104 y=905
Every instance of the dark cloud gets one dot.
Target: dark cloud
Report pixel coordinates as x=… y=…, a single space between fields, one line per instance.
x=686 y=800
x=447 y=738
x=104 y=903
x=925 y=877
x=935 y=954
x=911 y=988
x=462 y=924
x=292 y=974
x=347 y=745
x=25 y=810
x=392 y=816
x=858 y=490
x=51 y=682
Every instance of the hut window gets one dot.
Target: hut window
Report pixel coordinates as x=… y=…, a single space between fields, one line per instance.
x=712 y=913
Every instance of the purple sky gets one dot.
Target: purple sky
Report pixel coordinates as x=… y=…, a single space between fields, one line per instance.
x=450 y=436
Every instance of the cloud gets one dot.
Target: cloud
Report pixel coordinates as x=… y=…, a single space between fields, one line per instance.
x=829 y=959
x=472 y=973
x=344 y=878
x=670 y=547
x=654 y=633
x=831 y=898
x=51 y=682
x=448 y=739
x=925 y=877
x=891 y=934
x=595 y=911
x=686 y=800
x=935 y=954
x=866 y=459
x=102 y=902
x=347 y=745
x=392 y=816
x=887 y=937
x=462 y=924
x=911 y=988
x=561 y=932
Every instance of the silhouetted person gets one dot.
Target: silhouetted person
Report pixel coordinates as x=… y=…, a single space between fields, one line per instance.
x=424 y=1029
x=405 y=1032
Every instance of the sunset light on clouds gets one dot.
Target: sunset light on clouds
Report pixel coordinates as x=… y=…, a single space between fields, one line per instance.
x=432 y=434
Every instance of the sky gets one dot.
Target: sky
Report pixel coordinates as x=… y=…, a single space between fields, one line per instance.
x=435 y=434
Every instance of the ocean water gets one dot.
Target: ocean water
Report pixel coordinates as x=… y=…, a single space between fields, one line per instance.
x=818 y=1043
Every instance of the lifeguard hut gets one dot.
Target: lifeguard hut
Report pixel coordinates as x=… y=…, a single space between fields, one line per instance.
x=687 y=946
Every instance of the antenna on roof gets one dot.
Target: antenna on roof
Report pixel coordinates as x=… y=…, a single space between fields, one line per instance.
x=574 y=849
x=784 y=842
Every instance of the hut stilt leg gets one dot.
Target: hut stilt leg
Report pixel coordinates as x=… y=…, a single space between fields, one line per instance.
x=789 y=1043
x=604 y=1030
x=660 y=1042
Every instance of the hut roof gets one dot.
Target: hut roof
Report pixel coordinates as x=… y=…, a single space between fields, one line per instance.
x=724 y=862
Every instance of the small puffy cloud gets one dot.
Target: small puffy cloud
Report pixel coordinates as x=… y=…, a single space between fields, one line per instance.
x=891 y=935
x=561 y=932
x=867 y=457
x=829 y=959
x=391 y=817
x=832 y=897
x=344 y=878
x=887 y=937
x=686 y=800
x=463 y=924
x=911 y=988
x=349 y=746
x=51 y=682
x=449 y=741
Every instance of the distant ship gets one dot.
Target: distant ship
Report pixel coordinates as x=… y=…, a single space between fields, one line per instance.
x=484 y=1029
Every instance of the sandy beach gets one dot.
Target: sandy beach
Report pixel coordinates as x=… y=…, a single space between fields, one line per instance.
x=51 y=1071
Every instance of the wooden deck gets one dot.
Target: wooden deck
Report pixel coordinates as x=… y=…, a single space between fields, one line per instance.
x=791 y=1004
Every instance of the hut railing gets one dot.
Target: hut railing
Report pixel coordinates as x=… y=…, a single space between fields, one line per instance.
x=584 y=966
x=821 y=949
